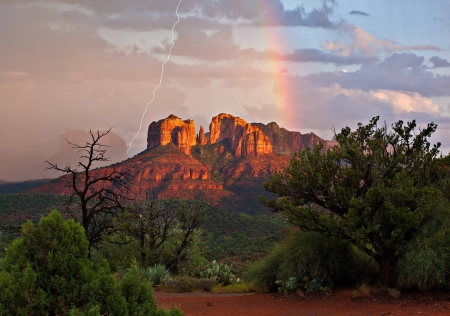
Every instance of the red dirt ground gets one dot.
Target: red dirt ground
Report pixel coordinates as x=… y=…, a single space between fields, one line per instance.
x=339 y=303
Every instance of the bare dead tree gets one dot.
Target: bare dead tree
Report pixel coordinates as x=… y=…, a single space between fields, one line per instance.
x=100 y=194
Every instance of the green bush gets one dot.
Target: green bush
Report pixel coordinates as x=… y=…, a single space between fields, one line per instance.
x=47 y=271
x=310 y=262
x=425 y=263
x=219 y=271
x=156 y=273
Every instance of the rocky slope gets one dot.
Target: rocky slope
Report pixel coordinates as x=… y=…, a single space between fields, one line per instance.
x=162 y=171
x=66 y=155
x=226 y=166
x=287 y=143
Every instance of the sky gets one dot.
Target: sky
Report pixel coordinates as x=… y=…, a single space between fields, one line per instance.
x=309 y=65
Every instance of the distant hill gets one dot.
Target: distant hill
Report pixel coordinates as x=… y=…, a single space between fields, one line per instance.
x=225 y=167
x=26 y=205
x=17 y=187
x=117 y=151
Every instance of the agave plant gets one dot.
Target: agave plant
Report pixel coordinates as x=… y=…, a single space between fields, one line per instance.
x=156 y=273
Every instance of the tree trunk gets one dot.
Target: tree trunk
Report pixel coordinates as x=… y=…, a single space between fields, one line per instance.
x=388 y=266
x=142 y=245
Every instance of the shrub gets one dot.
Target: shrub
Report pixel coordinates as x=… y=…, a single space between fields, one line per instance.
x=188 y=284
x=156 y=273
x=394 y=293
x=363 y=291
x=138 y=293
x=425 y=263
x=219 y=271
x=47 y=272
x=310 y=262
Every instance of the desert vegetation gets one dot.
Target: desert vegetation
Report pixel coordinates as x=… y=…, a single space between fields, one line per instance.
x=372 y=212
x=381 y=191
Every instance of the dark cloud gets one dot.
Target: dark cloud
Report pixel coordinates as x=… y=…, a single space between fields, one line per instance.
x=355 y=12
x=315 y=55
x=402 y=61
x=402 y=72
x=439 y=62
x=144 y=15
x=317 y=17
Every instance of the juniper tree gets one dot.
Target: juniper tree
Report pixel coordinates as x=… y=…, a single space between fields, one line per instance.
x=47 y=272
x=374 y=189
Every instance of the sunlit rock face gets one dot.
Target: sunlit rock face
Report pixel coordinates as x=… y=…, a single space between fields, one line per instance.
x=247 y=140
x=287 y=143
x=201 y=138
x=172 y=130
x=163 y=171
x=226 y=126
x=226 y=166
x=243 y=139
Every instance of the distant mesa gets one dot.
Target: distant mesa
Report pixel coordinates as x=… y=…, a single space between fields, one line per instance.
x=242 y=139
x=226 y=165
x=116 y=148
x=116 y=152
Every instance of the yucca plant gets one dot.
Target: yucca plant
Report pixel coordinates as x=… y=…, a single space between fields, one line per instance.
x=156 y=273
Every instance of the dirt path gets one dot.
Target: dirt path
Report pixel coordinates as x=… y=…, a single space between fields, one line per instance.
x=340 y=302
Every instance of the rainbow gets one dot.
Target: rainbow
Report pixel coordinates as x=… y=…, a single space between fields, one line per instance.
x=282 y=96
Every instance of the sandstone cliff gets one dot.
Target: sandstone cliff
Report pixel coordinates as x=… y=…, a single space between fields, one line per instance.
x=287 y=143
x=164 y=171
x=247 y=140
x=172 y=130
x=201 y=138
x=226 y=166
x=226 y=126
x=243 y=139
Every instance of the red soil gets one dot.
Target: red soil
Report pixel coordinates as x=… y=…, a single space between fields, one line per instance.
x=340 y=302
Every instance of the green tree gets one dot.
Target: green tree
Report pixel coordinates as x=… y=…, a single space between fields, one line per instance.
x=47 y=272
x=375 y=189
x=166 y=231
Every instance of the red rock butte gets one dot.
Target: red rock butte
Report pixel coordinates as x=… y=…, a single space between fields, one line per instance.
x=226 y=166
x=172 y=130
x=245 y=139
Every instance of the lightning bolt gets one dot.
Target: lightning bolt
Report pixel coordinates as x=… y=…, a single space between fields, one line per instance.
x=161 y=78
